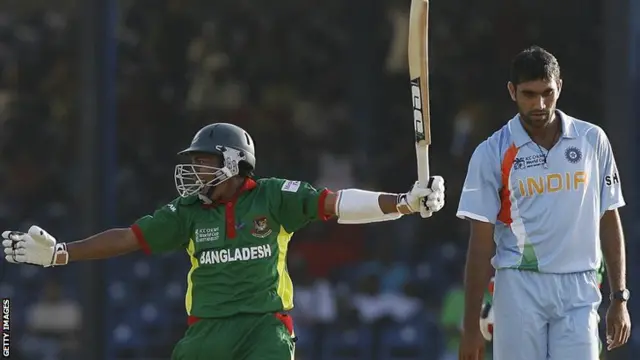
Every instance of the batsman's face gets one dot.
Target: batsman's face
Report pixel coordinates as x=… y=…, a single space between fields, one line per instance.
x=204 y=172
x=203 y=164
x=536 y=100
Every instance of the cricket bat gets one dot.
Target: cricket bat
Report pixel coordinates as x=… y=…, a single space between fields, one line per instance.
x=419 y=75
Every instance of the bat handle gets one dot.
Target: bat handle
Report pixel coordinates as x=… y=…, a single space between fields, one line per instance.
x=424 y=212
x=423 y=180
x=423 y=176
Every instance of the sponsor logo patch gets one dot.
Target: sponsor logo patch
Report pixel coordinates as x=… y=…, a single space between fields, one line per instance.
x=291 y=186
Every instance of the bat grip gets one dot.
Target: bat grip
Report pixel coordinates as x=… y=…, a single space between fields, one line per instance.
x=422 y=154
x=424 y=211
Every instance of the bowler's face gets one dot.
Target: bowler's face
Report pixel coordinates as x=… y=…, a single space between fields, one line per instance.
x=536 y=100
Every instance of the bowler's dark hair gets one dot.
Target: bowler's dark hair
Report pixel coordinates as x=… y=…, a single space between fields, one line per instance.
x=534 y=63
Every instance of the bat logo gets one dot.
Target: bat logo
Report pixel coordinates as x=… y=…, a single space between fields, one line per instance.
x=417 y=109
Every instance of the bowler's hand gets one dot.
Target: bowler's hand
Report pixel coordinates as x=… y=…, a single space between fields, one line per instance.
x=618 y=324
x=471 y=346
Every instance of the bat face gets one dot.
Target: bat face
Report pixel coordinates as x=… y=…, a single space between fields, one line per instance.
x=419 y=70
x=418 y=118
x=419 y=76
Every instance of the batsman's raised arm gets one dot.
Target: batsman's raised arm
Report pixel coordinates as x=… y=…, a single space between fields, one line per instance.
x=356 y=206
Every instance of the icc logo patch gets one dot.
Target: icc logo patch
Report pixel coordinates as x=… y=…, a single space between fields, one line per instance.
x=573 y=154
x=519 y=164
x=261 y=227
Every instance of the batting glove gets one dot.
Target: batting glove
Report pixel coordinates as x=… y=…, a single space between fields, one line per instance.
x=35 y=247
x=425 y=200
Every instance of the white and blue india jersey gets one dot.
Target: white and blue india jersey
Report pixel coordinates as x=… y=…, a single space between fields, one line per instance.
x=546 y=207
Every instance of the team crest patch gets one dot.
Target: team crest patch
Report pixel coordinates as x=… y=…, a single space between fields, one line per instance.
x=573 y=154
x=261 y=227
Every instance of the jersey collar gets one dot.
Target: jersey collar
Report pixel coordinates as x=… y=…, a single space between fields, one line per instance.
x=520 y=136
x=248 y=185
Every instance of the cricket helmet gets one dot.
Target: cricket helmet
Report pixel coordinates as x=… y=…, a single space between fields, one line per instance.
x=231 y=143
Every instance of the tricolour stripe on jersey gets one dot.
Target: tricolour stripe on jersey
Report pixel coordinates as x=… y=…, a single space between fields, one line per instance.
x=285 y=285
x=188 y=299
x=510 y=214
x=505 y=193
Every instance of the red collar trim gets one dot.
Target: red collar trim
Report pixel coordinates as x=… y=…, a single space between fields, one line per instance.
x=247 y=185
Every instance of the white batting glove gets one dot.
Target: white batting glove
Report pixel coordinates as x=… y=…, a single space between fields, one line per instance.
x=424 y=200
x=35 y=247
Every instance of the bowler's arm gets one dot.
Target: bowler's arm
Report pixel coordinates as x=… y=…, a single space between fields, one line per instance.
x=613 y=249
x=480 y=205
x=478 y=271
x=611 y=235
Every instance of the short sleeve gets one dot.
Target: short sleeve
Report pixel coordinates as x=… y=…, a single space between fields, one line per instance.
x=296 y=203
x=163 y=231
x=610 y=188
x=479 y=199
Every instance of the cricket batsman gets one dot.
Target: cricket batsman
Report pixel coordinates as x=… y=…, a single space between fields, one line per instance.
x=542 y=197
x=235 y=229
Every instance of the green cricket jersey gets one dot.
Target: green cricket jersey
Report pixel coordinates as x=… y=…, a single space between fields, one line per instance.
x=237 y=249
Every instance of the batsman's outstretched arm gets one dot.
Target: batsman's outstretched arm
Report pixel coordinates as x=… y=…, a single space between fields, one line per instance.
x=356 y=206
x=107 y=244
x=37 y=247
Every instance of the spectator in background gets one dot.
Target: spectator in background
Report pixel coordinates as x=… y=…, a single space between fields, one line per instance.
x=53 y=326
x=315 y=298
x=376 y=308
x=391 y=273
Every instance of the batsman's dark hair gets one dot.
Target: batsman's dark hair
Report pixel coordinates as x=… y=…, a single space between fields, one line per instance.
x=534 y=63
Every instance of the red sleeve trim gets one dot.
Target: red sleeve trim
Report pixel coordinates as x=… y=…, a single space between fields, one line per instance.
x=192 y=320
x=144 y=245
x=322 y=214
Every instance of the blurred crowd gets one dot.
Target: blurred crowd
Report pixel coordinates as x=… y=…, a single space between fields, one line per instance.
x=318 y=110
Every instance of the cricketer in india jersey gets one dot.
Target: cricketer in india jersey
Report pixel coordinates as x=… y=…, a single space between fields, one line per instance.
x=546 y=208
